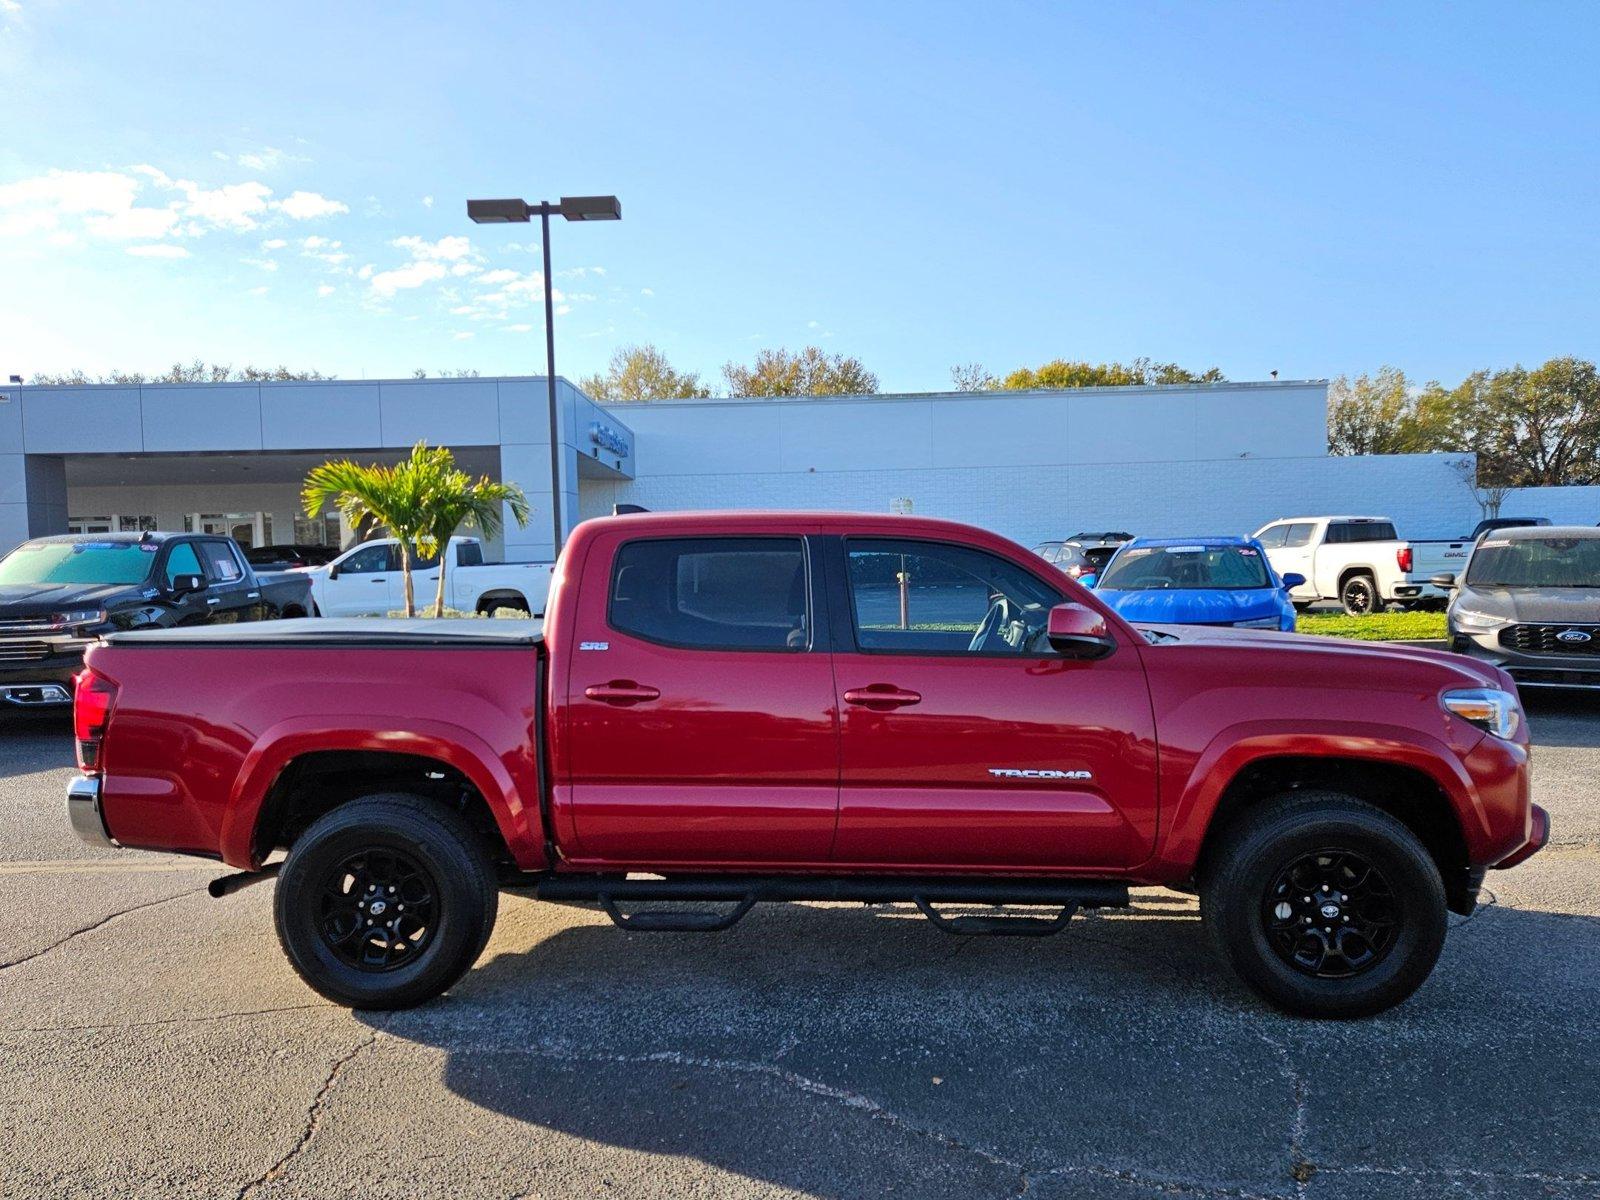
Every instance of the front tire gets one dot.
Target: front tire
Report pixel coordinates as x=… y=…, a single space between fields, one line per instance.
x=1324 y=905
x=385 y=902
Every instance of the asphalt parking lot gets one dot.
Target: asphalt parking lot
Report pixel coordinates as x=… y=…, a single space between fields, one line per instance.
x=153 y=1042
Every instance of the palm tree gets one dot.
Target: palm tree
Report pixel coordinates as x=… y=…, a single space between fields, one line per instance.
x=455 y=499
x=393 y=497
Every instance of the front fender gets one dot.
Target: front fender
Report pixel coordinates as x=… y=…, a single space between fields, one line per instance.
x=516 y=816
x=1237 y=746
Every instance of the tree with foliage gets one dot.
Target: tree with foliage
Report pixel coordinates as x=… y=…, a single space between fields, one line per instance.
x=639 y=373
x=1537 y=428
x=395 y=498
x=1060 y=373
x=192 y=372
x=1376 y=414
x=451 y=499
x=811 y=372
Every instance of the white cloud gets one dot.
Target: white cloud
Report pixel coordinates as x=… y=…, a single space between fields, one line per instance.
x=464 y=335
x=465 y=268
x=265 y=264
x=315 y=242
x=303 y=206
x=647 y=291
x=37 y=205
x=580 y=272
x=427 y=202
x=563 y=309
x=520 y=328
x=498 y=276
x=326 y=289
x=264 y=159
x=132 y=223
x=159 y=250
x=232 y=206
x=412 y=275
x=448 y=249
x=259 y=291
x=274 y=244
x=365 y=272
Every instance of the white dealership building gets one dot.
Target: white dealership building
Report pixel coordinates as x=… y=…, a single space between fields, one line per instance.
x=1214 y=458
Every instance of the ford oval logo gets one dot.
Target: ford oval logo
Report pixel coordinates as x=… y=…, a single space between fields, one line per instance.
x=1572 y=636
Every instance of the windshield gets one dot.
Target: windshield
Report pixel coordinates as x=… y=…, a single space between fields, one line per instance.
x=1142 y=568
x=78 y=562
x=1536 y=562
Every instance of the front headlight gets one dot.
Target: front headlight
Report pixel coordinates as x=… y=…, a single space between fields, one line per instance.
x=1259 y=623
x=1487 y=708
x=1466 y=618
x=79 y=616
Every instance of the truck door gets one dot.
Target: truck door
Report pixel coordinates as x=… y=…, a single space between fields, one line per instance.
x=964 y=740
x=190 y=608
x=700 y=713
x=361 y=588
x=232 y=595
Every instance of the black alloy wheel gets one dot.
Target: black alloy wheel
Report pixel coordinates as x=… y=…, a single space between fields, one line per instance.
x=1331 y=914
x=377 y=909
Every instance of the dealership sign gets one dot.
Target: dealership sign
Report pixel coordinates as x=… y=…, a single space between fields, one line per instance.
x=609 y=438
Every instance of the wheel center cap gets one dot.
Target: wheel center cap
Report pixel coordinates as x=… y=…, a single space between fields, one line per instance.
x=1328 y=910
x=377 y=907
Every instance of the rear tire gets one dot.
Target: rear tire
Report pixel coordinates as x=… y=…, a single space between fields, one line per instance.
x=1359 y=595
x=1324 y=905
x=385 y=902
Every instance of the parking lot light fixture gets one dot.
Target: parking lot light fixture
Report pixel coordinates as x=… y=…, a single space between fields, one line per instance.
x=514 y=210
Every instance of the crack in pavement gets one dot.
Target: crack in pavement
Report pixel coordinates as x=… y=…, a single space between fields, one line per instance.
x=196 y=1019
x=1466 y=1173
x=101 y=923
x=1300 y=1168
x=313 y=1119
x=859 y=1102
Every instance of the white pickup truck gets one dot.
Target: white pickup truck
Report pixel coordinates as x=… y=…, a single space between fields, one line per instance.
x=365 y=581
x=1359 y=561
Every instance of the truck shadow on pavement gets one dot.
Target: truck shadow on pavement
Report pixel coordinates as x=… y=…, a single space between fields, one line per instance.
x=837 y=1053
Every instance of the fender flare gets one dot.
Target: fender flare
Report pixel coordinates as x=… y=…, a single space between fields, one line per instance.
x=453 y=745
x=1237 y=746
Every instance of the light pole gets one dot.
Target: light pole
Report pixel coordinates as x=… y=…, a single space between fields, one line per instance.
x=573 y=208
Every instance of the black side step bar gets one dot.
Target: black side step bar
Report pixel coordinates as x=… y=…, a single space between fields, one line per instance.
x=744 y=891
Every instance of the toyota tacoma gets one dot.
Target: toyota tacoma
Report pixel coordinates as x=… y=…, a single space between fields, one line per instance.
x=742 y=707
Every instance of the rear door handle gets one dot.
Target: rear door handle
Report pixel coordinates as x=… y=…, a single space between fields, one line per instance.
x=213 y=600
x=882 y=697
x=622 y=692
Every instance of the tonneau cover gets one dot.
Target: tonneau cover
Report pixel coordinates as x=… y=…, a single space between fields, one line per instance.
x=359 y=631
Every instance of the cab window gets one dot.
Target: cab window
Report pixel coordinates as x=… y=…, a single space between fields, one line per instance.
x=182 y=560
x=713 y=593
x=936 y=598
x=1272 y=536
x=222 y=565
x=369 y=560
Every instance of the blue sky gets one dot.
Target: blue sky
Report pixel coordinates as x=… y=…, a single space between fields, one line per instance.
x=1316 y=189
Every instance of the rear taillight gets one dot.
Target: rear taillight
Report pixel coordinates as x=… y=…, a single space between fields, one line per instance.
x=1403 y=557
x=92 y=699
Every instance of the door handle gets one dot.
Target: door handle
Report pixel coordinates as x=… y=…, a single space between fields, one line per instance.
x=213 y=600
x=622 y=691
x=881 y=697
x=380 y=581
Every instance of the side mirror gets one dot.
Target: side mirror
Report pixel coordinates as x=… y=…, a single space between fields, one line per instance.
x=333 y=571
x=1293 y=579
x=1089 y=580
x=1446 y=580
x=185 y=585
x=1077 y=631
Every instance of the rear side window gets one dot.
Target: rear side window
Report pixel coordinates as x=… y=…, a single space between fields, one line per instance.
x=469 y=554
x=713 y=593
x=221 y=565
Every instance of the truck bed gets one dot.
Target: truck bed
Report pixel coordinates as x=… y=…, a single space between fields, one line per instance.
x=354 y=631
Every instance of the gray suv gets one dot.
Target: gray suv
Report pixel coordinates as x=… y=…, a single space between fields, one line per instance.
x=1528 y=600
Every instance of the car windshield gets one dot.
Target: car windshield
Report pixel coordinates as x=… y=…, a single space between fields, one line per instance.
x=1143 y=568
x=1552 y=562
x=78 y=562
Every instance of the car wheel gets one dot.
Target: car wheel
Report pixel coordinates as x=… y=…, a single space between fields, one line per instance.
x=1324 y=905
x=385 y=902
x=1359 y=595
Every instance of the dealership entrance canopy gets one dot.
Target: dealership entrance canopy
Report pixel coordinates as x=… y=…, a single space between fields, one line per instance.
x=1170 y=460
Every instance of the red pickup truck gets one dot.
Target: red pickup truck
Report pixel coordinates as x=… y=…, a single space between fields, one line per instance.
x=740 y=707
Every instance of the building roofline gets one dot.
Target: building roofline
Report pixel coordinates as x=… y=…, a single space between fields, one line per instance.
x=1121 y=389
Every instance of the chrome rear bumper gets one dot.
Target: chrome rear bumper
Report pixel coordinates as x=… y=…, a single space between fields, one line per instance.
x=83 y=812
